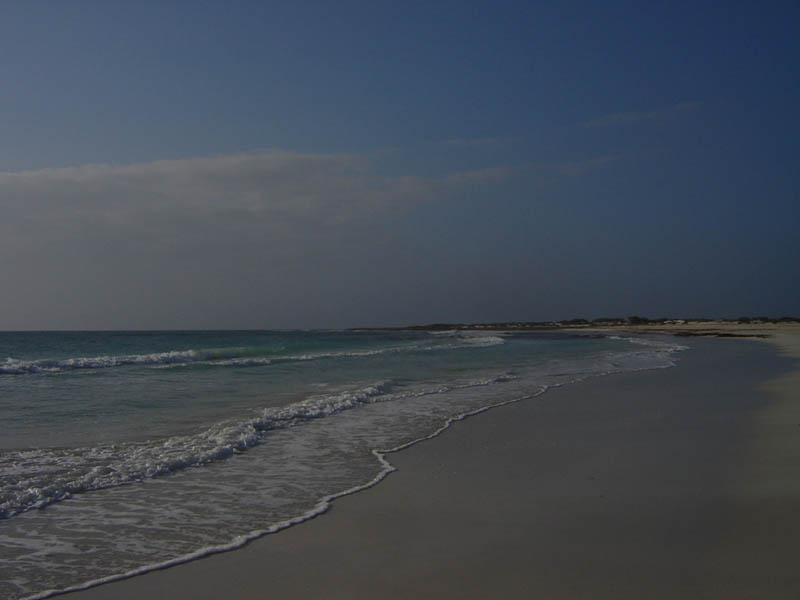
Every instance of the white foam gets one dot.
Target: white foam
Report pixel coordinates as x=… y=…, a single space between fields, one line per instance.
x=236 y=357
x=321 y=507
x=661 y=345
x=61 y=473
x=12 y=366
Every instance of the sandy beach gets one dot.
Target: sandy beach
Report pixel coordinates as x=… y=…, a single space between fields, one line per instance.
x=679 y=482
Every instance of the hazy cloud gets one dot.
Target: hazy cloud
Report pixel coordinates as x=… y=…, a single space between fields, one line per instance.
x=635 y=117
x=578 y=168
x=480 y=175
x=473 y=142
x=274 y=189
x=275 y=194
x=177 y=241
x=277 y=200
x=552 y=172
x=264 y=239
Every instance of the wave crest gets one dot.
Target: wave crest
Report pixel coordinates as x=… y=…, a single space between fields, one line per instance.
x=225 y=357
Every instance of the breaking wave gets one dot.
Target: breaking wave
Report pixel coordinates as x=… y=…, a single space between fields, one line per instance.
x=60 y=473
x=224 y=357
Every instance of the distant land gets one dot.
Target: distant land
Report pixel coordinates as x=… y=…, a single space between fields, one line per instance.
x=739 y=327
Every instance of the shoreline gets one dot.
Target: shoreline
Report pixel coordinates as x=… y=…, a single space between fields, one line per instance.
x=685 y=327
x=383 y=526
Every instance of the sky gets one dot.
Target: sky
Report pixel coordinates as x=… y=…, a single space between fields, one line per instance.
x=216 y=165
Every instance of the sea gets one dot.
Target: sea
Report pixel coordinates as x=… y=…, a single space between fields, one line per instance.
x=122 y=452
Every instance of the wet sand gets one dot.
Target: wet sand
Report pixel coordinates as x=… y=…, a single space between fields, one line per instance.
x=680 y=482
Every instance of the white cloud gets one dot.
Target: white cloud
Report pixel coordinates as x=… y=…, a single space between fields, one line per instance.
x=265 y=239
x=118 y=246
x=273 y=194
x=278 y=193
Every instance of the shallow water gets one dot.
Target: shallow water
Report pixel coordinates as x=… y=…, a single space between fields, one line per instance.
x=124 y=450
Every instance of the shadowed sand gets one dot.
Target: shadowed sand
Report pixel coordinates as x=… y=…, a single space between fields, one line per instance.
x=673 y=483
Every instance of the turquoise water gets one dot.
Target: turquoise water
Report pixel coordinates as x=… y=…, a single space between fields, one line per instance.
x=121 y=451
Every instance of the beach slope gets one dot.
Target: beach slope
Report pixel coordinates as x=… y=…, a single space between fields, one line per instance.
x=657 y=484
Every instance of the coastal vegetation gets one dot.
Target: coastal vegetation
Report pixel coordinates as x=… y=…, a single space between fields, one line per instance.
x=631 y=321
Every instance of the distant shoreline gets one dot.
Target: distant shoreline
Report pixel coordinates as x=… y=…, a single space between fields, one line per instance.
x=745 y=327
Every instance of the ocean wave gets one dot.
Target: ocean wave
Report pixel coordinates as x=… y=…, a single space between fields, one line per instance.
x=224 y=357
x=321 y=505
x=660 y=345
x=230 y=362
x=651 y=353
x=61 y=473
x=476 y=341
x=12 y=366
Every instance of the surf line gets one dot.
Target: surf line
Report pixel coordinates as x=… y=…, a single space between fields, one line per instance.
x=322 y=506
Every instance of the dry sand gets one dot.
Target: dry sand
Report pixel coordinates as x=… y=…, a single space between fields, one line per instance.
x=678 y=483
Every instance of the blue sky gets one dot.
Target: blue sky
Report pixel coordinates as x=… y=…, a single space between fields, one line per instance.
x=254 y=164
